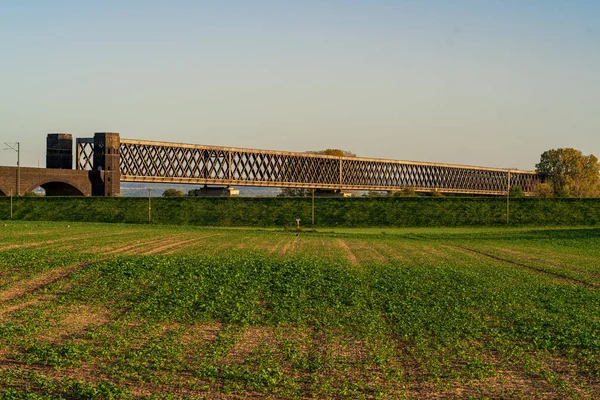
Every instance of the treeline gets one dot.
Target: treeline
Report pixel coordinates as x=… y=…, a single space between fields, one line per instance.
x=329 y=212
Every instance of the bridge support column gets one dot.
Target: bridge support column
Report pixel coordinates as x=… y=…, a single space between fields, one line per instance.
x=107 y=158
x=59 y=151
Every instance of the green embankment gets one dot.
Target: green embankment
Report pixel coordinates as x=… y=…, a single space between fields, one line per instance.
x=330 y=212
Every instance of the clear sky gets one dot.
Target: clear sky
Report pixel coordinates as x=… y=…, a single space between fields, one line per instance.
x=479 y=82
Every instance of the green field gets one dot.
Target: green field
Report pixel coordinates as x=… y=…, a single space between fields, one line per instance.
x=133 y=311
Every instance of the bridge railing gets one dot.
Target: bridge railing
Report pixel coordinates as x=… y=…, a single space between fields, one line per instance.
x=147 y=161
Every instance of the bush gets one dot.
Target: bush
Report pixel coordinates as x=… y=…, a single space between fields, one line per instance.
x=516 y=191
x=172 y=193
x=544 y=190
x=406 y=192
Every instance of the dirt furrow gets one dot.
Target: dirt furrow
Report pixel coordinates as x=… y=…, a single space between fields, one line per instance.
x=168 y=246
x=349 y=254
x=69 y=239
x=16 y=307
x=40 y=281
x=132 y=246
x=13 y=269
x=44 y=243
x=286 y=247
x=536 y=269
x=176 y=248
x=534 y=259
x=275 y=247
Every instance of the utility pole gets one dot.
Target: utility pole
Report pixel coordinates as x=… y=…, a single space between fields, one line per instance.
x=16 y=148
x=18 y=168
x=149 y=206
x=508 y=198
x=11 y=204
x=313 y=207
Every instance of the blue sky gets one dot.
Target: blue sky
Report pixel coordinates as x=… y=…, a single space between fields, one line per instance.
x=491 y=83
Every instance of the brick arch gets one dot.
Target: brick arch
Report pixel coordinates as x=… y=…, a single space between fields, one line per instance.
x=60 y=188
x=57 y=182
x=5 y=189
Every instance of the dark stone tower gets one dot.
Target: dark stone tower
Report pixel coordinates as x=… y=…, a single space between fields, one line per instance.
x=59 y=151
x=107 y=159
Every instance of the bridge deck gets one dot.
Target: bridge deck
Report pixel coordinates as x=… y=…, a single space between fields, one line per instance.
x=162 y=162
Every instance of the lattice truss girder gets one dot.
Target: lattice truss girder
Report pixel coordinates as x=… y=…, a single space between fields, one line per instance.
x=422 y=176
x=85 y=154
x=198 y=164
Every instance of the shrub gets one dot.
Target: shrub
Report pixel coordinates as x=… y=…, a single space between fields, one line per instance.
x=172 y=193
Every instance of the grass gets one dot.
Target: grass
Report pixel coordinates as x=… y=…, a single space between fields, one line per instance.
x=125 y=311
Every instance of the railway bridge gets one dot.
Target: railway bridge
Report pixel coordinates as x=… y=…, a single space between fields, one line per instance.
x=105 y=160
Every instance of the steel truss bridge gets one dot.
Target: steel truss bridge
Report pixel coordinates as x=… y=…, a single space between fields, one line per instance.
x=106 y=160
x=162 y=162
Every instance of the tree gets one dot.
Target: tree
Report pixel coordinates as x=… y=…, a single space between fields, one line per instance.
x=407 y=191
x=570 y=172
x=516 y=191
x=172 y=193
x=294 y=192
x=32 y=194
x=333 y=152
x=544 y=190
x=374 y=193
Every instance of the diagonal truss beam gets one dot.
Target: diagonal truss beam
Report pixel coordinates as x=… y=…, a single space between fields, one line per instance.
x=147 y=161
x=85 y=154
